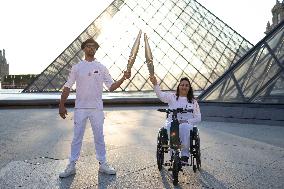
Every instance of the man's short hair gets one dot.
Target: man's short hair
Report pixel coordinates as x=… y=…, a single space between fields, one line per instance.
x=90 y=40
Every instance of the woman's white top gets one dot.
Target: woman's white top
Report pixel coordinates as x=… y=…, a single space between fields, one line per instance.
x=89 y=78
x=191 y=118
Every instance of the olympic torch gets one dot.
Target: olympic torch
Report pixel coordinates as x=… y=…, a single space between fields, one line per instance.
x=148 y=56
x=134 y=52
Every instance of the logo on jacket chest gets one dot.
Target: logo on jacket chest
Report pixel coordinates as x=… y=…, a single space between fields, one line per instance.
x=93 y=72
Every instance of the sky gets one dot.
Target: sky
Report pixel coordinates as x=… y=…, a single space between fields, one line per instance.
x=34 y=32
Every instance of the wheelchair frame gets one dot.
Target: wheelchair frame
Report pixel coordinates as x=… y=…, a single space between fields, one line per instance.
x=175 y=164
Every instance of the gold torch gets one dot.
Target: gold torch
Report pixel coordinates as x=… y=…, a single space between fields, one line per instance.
x=134 y=52
x=148 y=55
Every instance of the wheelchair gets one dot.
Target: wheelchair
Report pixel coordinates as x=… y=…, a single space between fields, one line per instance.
x=173 y=145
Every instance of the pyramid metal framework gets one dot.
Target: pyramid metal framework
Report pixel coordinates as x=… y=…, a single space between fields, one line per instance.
x=258 y=77
x=185 y=38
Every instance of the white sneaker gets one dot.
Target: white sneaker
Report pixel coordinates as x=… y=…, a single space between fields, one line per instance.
x=70 y=170
x=105 y=168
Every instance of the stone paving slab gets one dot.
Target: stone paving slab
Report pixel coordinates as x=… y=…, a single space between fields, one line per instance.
x=268 y=176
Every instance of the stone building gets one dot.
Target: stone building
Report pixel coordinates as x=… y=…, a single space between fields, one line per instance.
x=277 y=16
x=4 y=66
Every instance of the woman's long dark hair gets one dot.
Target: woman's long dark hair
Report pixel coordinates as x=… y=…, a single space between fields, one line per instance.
x=189 y=95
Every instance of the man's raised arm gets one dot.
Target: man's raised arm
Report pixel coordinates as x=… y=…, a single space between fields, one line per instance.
x=117 y=84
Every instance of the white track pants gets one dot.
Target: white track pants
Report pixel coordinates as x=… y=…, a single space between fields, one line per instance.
x=96 y=118
x=184 y=135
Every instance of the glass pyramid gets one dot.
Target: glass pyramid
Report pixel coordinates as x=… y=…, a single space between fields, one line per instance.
x=258 y=77
x=185 y=38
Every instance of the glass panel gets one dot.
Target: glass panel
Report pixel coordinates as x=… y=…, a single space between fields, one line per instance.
x=229 y=95
x=215 y=94
x=199 y=80
x=274 y=93
x=162 y=71
x=171 y=80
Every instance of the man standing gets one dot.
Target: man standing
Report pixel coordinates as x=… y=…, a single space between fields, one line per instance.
x=89 y=75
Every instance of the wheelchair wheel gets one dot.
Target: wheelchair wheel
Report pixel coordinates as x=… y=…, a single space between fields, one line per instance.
x=198 y=154
x=198 y=161
x=194 y=168
x=160 y=157
x=191 y=142
x=160 y=152
x=193 y=162
x=195 y=149
x=176 y=169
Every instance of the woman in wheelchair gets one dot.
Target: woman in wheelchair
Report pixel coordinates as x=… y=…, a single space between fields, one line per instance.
x=183 y=98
